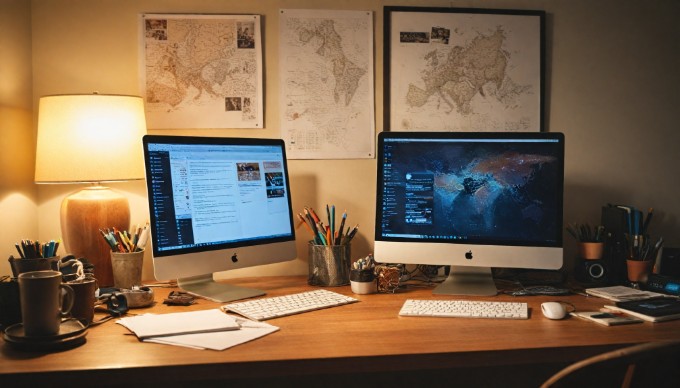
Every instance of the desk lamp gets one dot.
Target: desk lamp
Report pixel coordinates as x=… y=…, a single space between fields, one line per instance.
x=92 y=139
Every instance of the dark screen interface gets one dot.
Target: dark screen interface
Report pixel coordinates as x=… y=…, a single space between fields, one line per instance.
x=471 y=190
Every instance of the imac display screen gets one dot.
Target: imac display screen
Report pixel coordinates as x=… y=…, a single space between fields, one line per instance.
x=470 y=199
x=217 y=204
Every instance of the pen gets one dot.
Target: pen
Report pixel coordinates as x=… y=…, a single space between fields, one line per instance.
x=648 y=219
x=340 y=229
x=313 y=215
x=331 y=223
x=303 y=221
x=19 y=250
x=351 y=234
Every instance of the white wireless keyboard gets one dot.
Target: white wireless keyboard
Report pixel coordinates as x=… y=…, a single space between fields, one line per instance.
x=279 y=306
x=464 y=309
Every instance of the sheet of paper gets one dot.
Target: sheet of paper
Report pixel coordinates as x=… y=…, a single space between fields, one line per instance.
x=250 y=330
x=157 y=325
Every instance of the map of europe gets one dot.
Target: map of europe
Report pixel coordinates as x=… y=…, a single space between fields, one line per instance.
x=479 y=76
x=202 y=72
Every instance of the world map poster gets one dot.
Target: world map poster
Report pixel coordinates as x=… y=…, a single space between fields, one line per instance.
x=463 y=70
x=201 y=71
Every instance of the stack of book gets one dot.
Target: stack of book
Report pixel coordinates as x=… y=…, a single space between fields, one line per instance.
x=646 y=305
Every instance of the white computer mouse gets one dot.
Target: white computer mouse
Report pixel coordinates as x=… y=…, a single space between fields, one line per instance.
x=553 y=310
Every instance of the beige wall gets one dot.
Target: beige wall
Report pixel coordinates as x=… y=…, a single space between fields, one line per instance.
x=18 y=194
x=612 y=89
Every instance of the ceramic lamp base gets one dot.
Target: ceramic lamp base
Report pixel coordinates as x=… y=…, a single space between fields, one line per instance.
x=83 y=213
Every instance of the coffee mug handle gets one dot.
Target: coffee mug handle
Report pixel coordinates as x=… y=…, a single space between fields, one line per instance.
x=67 y=298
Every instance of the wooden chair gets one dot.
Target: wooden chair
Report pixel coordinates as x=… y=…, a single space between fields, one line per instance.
x=653 y=364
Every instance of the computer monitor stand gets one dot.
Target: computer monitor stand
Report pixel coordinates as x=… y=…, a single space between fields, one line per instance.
x=205 y=286
x=474 y=281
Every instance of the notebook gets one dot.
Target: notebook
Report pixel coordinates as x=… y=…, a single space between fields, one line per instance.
x=652 y=310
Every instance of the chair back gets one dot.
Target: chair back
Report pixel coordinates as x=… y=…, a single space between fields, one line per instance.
x=653 y=364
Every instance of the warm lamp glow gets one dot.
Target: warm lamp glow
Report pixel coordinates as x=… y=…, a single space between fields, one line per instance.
x=91 y=138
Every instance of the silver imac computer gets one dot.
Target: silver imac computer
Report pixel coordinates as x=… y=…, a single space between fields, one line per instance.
x=471 y=201
x=217 y=204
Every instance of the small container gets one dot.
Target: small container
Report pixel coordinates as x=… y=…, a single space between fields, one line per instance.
x=329 y=265
x=20 y=265
x=591 y=250
x=127 y=269
x=363 y=281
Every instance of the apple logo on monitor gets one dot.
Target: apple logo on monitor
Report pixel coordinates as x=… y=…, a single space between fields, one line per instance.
x=234 y=258
x=468 y=255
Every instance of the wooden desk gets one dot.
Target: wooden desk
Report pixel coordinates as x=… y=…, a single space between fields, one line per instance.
x=366 y=342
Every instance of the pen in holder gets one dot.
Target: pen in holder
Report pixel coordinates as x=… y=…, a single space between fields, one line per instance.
x=127 y=255
x=329 y=249
x=329 y=264
x=362 y=276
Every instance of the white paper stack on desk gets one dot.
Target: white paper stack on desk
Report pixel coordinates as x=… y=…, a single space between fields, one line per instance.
x=622 y=293
x=206 y=329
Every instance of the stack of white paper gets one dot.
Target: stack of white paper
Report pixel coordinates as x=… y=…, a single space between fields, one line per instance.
x=621 y=293
x=207 y=329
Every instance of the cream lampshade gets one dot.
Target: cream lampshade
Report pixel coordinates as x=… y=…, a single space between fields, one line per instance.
x=91 y=138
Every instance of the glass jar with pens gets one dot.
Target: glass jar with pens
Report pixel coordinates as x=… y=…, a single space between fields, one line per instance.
x=329 y=248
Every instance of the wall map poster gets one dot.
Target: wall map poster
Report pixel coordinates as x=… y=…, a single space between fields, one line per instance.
x=326 y=84
x=201 y=71
x=449 y=69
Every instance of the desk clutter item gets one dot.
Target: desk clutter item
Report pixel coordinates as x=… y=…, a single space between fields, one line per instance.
x=328 y=265
x=10 y=310
x=627 y=238
x=179 y=298
x=362 y=277
x=605 y=318
x=464 y=309
x=127 y=268
x=329 y=249
x=206 y=329
x=327 y=234
x=71 y=334
x=161 y=325
x=280 y=306
x=652 y=310
x=127 y=254
x=388 y=277
x=45 y=300
x=20 y=265
x=621 y=293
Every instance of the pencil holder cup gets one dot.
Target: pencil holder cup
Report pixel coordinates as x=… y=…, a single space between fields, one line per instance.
x=638 y=269
x=127 y=269
x=363 y=281
x=20 y=265
x=329 y=265
x=591 y=250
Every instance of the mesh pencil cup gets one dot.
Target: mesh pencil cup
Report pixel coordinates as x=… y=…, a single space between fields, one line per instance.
x=329 y=264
